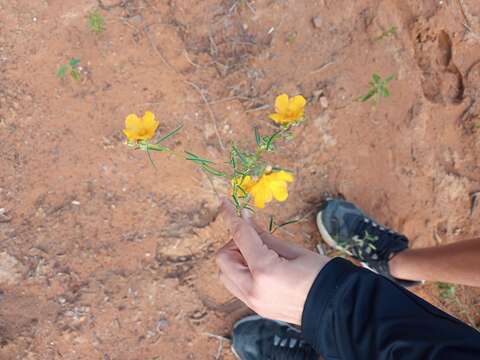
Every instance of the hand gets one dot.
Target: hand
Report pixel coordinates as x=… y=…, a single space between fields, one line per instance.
x=270 y=276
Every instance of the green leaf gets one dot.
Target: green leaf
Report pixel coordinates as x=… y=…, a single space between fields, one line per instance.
x=368 y=96
x=239 y=187
x=75 y=74
x=233 y=162
x=151 y=160
x=155 y=147
x=170 y=134
x=376 y=78
x=74 y=62
x=385 y=92
x=248 y=207
x=289 y=222
x=62 y=70
x=390 y=78
x=213 y=171
x=197 y=159
x=240 y=155
x=235 y=200
x=271 y=225
x=258 y=138
x=270 y=140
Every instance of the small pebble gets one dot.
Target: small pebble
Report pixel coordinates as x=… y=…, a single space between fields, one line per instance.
x=317 y=22
x=323 y=102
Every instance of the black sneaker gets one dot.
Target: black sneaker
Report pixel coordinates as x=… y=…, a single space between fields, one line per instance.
x=347 y=228
x=256 y=338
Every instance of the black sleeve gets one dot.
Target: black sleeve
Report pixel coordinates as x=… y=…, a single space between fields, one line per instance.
x=352 y=313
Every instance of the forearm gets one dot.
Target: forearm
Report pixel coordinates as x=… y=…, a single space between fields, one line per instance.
x=352 y=313
x=454 y=263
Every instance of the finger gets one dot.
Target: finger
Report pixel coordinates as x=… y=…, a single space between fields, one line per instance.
x=283 y=248
x=233 y=266
x=229 y=254
x=246 y=238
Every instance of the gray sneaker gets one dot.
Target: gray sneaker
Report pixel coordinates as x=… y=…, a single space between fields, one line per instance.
x=345 y=227
x=256 y=338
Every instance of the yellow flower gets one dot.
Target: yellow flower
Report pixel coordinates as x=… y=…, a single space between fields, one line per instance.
x=140 y=128
x=268 y=187
x=288 y=110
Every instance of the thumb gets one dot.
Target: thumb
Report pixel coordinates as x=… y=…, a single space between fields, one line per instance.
x=244 y=235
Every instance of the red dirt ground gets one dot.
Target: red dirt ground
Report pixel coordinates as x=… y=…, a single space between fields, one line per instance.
x=102 y=257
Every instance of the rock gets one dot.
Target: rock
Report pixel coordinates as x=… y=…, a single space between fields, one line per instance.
x=317 y=94
x=4 y=218
x=209 y=131
x=11 y=270
x=323 y=102
x=162 y=324
x=136 y=19
x=317 y=22
x=111 y=3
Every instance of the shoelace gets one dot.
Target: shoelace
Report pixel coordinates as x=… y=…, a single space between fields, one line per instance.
x=375 y=241
x=290 y=349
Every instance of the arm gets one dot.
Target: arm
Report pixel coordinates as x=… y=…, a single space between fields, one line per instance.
x=352 y=313
x=346 y=312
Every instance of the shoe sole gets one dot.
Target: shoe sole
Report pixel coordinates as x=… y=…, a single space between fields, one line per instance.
x=332 y=243
x=326 y=236
x=323 y=231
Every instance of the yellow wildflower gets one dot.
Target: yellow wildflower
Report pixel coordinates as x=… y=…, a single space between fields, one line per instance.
x=288 y=110
x=140 y=128
x=268 y=187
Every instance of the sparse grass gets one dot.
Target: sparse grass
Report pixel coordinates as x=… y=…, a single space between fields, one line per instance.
x=96 y=22
x=391 y=31
x=378 y=88
x=448 y=293
x=71 y=68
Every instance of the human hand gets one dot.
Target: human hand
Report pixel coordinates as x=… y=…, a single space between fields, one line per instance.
x=270 y=276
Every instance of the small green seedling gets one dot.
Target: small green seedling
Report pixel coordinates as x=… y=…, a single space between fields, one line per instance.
x=291 y=37
x=378 y=88
x=446 y=291
x=71 y=68
x=96 y=22
x=391 y=31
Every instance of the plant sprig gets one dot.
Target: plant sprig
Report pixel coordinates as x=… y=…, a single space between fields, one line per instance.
x=71 y=68
x=377 y=88
x=391 y=31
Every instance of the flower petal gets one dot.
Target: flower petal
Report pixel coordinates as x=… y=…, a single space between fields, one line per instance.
x=297 y=104
x=279 y=190
x=130 y=135
x=281 y=104
x=149 y=124
x=278 y=118
x=149 y=120
x=281 y=175
x=261 y=194
x=246 y=185
x=132 y=122
x=132 y=127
